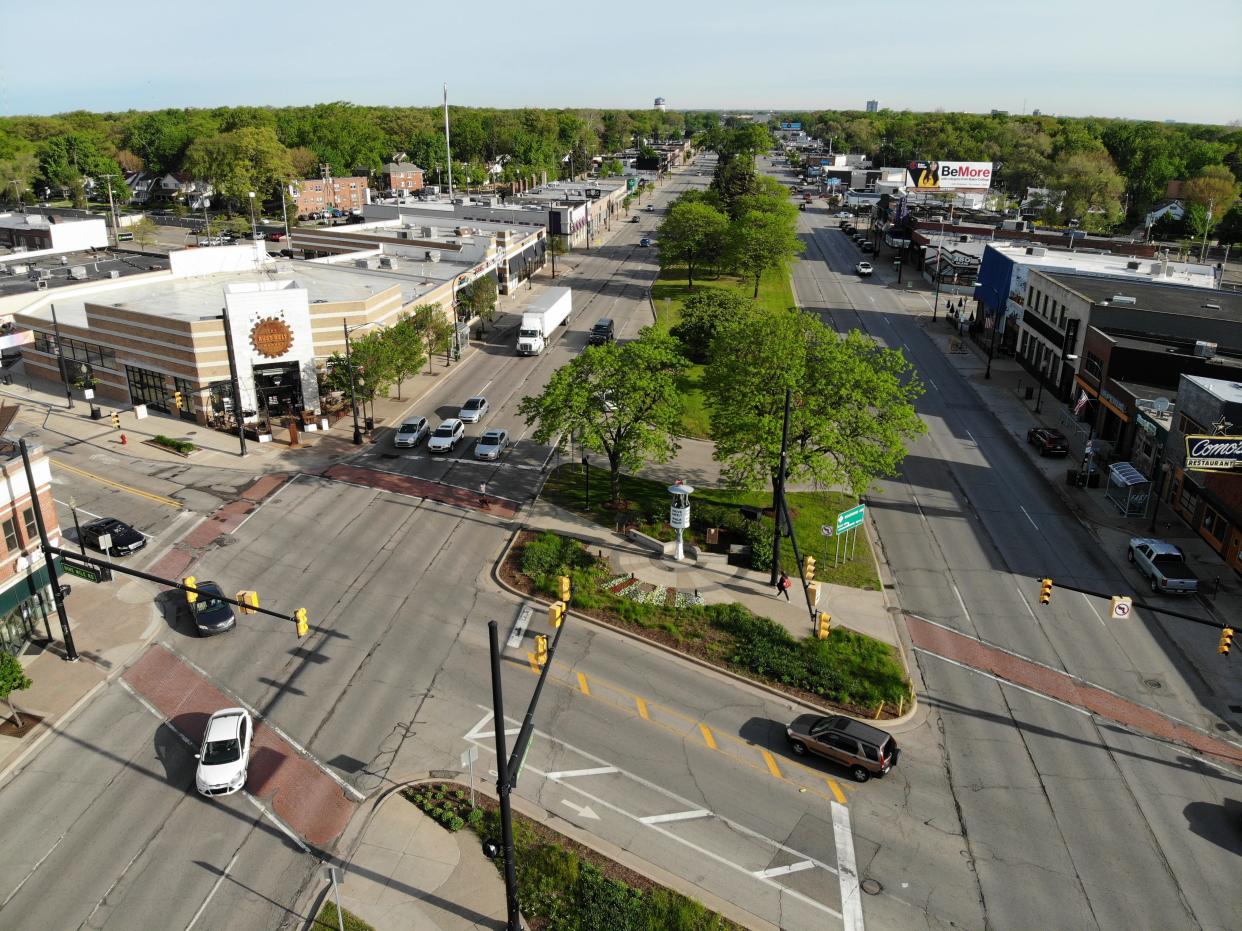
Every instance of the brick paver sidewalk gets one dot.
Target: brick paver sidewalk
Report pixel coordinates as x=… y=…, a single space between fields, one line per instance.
x=422 y=488
x=932 y=638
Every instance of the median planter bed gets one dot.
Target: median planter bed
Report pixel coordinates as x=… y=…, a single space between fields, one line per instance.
x=851 y=671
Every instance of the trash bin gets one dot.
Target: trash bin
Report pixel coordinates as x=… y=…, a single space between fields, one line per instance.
x=1071 y=477
x=1093 y=479
x=96 y=412
x=370 y=424
x=750 y=513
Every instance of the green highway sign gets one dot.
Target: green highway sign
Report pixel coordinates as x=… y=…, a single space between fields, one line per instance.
x=848 y=520
x=88 y=572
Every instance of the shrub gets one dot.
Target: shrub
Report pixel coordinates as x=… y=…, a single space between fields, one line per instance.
x=181 y=446
x=549 y=555
x=758 y=535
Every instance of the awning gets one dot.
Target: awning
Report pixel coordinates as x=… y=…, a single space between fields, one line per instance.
x=24 y=586
x=1128 y=489
x=1125 y=474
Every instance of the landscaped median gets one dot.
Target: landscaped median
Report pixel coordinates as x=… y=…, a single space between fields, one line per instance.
x=849 y=670
x=562 y=884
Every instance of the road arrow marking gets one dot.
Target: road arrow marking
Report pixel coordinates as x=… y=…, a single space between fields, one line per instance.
x=584 y=811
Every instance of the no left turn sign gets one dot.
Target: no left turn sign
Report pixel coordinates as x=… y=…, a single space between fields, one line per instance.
x=1120 y=607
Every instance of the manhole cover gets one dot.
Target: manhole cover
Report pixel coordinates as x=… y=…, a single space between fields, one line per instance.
x=871 y=886
x=224 y=540
x=1153 y=683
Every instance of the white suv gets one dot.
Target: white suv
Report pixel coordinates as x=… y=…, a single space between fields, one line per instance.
x=863 y=269
x=446 y=436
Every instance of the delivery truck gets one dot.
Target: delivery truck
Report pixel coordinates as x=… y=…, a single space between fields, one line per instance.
x=543 y=315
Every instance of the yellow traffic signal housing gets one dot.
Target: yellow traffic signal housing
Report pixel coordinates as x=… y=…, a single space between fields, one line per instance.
x=556 y=613
x=191 y=595
x=177 y=399
x=1226 y=640
x=823 y=625
x=116 y=420
x=566 y=587
x=249 y=600
x=302 y=622
x=1045 y=591
x=808 y=567
x=541 y=648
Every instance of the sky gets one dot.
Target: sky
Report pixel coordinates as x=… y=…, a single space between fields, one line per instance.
x=1127 y=58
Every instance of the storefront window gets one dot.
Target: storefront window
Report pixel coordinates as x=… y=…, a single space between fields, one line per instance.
x=11 y=540
x=1214 y=524
x=146 y=387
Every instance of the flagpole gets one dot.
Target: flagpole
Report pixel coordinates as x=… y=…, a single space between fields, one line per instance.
x=448 y=148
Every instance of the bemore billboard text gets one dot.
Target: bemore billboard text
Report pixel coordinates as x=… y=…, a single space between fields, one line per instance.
x=948 y=176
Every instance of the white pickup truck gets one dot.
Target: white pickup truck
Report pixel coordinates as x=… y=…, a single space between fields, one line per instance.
x=1163 y=565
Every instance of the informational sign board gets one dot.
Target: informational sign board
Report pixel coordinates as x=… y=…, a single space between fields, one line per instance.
x=848 y=520
x=85 y=570
x=679 y=518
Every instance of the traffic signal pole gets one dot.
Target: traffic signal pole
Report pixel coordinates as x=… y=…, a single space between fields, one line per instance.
x=58 y=596
x=778 y=493
x=1138 y=604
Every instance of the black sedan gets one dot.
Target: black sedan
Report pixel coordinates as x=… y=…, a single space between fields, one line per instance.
x=1048 y=441
x=124 y=539
x=211 y=615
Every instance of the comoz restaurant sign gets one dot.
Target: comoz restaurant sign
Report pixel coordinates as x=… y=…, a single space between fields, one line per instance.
x=1213 y=453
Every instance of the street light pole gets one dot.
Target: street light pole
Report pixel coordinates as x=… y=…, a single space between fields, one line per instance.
x=353 y=390
x=992 y=344
x=233 y=382
x=60 y=358
x=58 y=595
x=1043 y=373
x=254 y=230
x=778 y=492
x=503 y=786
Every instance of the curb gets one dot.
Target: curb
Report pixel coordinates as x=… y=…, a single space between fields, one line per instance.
x=737 y=678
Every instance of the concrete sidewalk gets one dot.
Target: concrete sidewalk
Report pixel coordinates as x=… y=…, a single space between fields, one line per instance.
x=715 y=581
x=110 y=624
x=407 y=873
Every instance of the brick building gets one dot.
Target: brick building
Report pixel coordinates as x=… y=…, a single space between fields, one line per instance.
x=26 y=605
x=317 y=195
x=401 y=176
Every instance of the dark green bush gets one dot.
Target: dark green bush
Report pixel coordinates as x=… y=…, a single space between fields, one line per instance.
x=181 y=446
x=549 y=555
x=758 y=534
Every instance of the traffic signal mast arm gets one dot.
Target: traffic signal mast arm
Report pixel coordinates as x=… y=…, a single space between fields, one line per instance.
x=75 y=556
x=1138 y=604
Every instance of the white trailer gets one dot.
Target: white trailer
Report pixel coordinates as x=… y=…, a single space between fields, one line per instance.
x=545 y=314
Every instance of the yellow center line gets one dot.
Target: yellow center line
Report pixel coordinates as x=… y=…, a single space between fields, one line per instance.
x=642 y=708
x=582 y=684
x=158 y=499
x=708 y=738
x=771 y=761
x=836 y=790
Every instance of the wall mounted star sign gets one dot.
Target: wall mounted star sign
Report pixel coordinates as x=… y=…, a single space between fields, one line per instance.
x=1221 y=425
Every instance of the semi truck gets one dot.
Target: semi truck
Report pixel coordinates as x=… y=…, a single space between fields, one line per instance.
x=541 y=318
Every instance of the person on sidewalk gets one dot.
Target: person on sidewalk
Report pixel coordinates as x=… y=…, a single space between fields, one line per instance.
x=782 y=586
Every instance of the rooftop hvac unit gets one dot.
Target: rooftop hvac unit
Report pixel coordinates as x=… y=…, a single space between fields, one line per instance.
x=18 y=269
x=365 y=263
x=430 y=232
x=78 y=273
x=1204 y=349
x=114 y=274
x=432 y=255
x=1123 y=299
x=1132 y=265
x=387 y=261
x=1036 y=250
x=41 y=284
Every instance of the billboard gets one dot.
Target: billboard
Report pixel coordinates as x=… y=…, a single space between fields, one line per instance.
x=791 y=126
x=1213 y=453
x=948 y=176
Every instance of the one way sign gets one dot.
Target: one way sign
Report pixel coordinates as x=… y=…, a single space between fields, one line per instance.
x=1120 y=607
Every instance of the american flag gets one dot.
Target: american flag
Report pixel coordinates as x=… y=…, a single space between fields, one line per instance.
x=1082 y=402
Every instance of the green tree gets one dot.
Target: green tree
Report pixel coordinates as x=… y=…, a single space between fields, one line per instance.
x=405 y=349
x=67 y=162
x=853 y=402
x=13 y=678
x=236 y=163
x=692 y=234
x=144 y=232
x=1230 y=229
x=437 y=332
x=702 y=314
x=1209 y=197
x=1092 y=190
x=17 y=176
x=759 y=241
x=479 y=299
x=620 y=399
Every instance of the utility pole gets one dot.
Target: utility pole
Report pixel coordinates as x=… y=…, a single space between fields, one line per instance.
x=1207 y=225
x=778 y=490
x=237 y=407
x=58 y=595
x=60 y=358
x=353 y=390
x=112 y=212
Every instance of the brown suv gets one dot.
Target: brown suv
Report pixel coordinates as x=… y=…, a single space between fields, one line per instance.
x=862 y=749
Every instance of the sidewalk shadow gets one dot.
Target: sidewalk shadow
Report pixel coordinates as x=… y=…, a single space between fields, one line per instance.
x=1217 y=823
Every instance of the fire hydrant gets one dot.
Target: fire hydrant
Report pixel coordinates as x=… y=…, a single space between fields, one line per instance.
x=124 y=439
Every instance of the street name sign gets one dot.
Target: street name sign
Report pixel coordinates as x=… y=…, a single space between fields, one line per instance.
x=848 y=520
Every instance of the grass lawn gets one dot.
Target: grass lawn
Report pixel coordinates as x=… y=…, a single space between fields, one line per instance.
x=649 y=502
x=667 y=294
x=326 y=920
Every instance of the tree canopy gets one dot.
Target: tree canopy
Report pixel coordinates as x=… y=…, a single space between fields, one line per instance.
x=692 y=234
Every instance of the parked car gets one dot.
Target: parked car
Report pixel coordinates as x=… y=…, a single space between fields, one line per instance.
x=276 y=237
x=1163 y=565
x=124 y=541
x=644 y=242
x=224 y=757
x=1047 y=441
x=864 y=269
x=864 y=750
x=473 y=410
x=867 y=248
x=843 y=214
x=411 y=432
x=650 y=208
x=635 y=220
x=211 y=614
x=446 y=436
x=492 y=444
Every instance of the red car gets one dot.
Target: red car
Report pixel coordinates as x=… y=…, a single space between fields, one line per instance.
x=276 y=237
x=1048 y=441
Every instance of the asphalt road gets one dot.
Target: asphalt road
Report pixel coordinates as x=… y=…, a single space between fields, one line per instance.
x=1060 y=814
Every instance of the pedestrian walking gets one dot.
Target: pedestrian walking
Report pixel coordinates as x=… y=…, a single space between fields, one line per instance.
x=782 y=586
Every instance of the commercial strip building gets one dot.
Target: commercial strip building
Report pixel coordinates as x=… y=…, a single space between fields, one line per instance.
x=36 y=233
x=26 y=601
x=144 y=340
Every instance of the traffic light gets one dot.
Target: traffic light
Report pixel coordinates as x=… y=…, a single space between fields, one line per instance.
x=823 y=625
x=249 y=600
x=541 y=649
x=808 y=567
x=556 y=613
x=177 y=399
x=1226 y=640
x=303 y=625
x=566 y=586
x=116 y=420
x=191 y=595
x=1045 y=591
